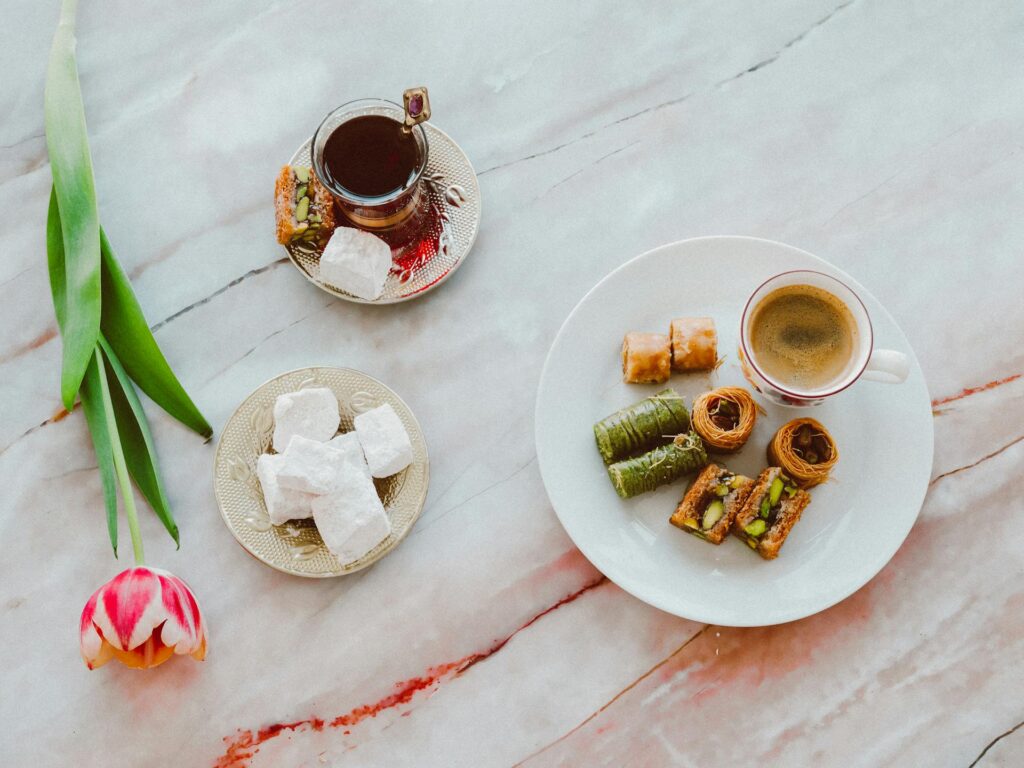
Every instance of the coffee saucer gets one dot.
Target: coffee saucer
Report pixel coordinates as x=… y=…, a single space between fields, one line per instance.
x=447 y=232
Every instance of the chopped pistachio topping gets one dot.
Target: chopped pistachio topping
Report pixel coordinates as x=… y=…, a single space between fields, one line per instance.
x=756 y=528
x=307 y=219
x=713 y=514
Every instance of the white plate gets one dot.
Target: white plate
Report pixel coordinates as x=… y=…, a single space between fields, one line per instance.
x=853 y=525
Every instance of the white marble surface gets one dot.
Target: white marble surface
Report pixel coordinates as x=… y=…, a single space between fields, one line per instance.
x=885 y=137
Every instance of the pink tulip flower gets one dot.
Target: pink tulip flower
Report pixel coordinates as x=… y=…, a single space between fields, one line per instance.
x=142 y=617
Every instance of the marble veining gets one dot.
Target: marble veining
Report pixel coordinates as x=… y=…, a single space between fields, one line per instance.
x=884 y=137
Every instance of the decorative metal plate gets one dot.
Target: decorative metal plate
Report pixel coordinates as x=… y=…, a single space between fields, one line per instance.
x=453 y=197
x=296 y=547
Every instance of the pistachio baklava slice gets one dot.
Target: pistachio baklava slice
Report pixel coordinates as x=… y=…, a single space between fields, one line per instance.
x=772 y=508
x=712 y=502
x=304 y=207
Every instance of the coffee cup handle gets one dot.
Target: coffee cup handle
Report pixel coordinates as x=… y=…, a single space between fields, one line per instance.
x=887 y=365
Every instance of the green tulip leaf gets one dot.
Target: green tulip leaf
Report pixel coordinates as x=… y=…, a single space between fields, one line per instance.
x=128 y=334
x=95 y=417
x=137 y=441
x=71 y=165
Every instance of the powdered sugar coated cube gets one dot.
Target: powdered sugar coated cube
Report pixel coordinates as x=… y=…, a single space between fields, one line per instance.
x=310 y=466
x=351 y=519
x=385 y=442
x=348 y=444
x=356 y=262
x=310 y=413
x=283 y=504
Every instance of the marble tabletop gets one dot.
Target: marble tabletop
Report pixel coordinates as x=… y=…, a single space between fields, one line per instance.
x=884 y=137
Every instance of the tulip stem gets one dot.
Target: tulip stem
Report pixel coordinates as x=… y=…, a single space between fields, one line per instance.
x=120 y=466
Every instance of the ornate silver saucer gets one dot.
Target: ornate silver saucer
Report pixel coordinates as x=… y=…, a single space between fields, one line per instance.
x=453 y=200
x=296 y=547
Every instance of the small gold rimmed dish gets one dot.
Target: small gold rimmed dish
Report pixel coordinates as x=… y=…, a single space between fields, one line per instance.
x=296 y=547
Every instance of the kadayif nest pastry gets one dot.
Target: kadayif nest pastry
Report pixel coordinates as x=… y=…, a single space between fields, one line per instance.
x=805 y=450
x=724 y=418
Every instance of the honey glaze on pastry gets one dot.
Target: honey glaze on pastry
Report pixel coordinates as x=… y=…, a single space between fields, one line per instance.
x=646 y=358
x=694 y=344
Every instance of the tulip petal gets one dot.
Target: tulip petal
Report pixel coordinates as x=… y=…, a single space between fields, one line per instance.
x=105 y=654
x=200 y=653
x=131 y=608
x=90 y=641
x=183 y=628
x=126 y=599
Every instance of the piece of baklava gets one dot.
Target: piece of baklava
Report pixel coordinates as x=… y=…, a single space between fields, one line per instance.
x=694 y=343
x=304 y=207
x=646 y=358
x=712 y=502
x=772 y=508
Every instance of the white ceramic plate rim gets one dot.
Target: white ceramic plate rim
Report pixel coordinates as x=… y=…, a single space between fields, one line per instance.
x=869 y=568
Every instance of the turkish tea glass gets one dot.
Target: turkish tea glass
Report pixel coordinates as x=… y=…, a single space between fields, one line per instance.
x=395 y=215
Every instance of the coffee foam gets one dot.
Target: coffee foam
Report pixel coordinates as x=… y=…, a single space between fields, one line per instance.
x=803 y=336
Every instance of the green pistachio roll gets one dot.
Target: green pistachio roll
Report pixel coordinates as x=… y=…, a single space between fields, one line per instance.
x=659 y=466
x=652 y=421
